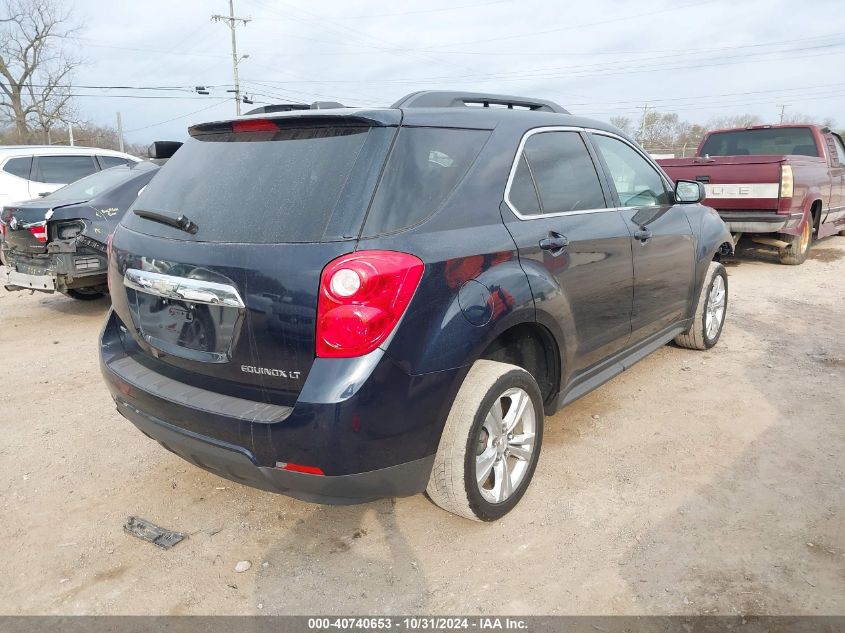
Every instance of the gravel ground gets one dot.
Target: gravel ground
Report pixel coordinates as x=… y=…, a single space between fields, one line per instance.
x=695 y=483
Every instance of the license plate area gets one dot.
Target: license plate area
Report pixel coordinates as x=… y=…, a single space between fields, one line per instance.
x=190 y=318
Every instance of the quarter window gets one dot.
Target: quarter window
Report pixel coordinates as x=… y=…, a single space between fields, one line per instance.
x=63 y=169
x=558 y=166
x=637 y=183
x=112 y=161
x=18 y=166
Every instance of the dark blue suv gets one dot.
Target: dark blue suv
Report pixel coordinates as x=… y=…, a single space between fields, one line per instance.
x=347 y=304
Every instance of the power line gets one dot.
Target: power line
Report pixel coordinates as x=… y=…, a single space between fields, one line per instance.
x=176 y=118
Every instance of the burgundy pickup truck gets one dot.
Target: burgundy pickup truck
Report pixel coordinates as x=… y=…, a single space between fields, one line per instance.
x=782 y=184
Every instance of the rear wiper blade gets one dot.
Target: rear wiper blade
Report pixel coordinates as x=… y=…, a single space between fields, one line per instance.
x=180 y=222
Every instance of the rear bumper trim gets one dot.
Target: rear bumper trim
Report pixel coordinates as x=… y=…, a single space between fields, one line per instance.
x=754 y=221
x=135 y=374
x=238 y=464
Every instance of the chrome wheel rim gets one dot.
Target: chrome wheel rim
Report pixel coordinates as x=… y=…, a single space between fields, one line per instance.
x=715 y=312
x=505 y=445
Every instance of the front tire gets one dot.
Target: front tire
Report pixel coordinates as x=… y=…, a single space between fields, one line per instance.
x=710 y=312
x=491 y=443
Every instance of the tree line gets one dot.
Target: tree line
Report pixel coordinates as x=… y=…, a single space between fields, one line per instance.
x=667 y=133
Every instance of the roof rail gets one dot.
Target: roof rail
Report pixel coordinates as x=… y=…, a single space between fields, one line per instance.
x=450 y=99
x=288 y=107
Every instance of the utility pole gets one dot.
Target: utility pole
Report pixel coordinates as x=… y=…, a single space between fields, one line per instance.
x=642 y=122
x=782 y=109
x=70 y=133
x=120 y=131
x=232 y=21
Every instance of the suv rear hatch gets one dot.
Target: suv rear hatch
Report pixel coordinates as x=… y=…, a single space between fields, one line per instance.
x=230 y=303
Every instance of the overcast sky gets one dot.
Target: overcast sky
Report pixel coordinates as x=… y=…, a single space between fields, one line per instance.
x=599 y=58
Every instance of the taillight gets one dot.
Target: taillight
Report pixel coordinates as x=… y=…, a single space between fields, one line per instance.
x=108 y=259
x=254 y=125
x=299 y=468
x=39 y=232
x=362 y=297
x=786 y=181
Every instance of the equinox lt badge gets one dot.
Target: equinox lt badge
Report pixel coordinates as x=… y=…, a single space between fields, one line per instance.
x=266 y=371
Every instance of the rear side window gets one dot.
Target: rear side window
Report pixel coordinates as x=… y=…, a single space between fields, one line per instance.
x=425 y=166
x=112 y=161
x=563 y=173
x=18 y=167
x=761 y=142
x=63 y=169
x=302 y=184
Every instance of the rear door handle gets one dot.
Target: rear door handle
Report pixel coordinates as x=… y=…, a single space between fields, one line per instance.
x=555 y=243
x=643 y=235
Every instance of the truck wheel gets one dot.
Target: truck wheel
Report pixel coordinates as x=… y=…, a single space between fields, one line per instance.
x=799 y=245
x=85 y=294
x=490 y=444
x=710 y=312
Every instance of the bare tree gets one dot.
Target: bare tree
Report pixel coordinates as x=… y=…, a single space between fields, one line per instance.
x=623 y=123
x=35 y=69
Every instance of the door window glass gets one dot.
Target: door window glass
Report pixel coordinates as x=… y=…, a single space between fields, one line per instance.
x=522 y=194
x=112 y=161
x=63 y=169
x=637 y=183
x=563 y=172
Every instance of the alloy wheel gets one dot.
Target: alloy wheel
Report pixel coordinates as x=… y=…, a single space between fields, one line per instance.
x=505 y=445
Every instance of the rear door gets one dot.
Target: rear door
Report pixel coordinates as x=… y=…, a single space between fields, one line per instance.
x=232 y=305
x=563 y=222
x=662 y=243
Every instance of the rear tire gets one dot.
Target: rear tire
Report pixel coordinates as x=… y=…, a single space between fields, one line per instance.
x=799 y=245
x=491 y=443
x=85 y=294
x=710 y=312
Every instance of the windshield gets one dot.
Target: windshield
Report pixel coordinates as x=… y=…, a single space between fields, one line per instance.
x=93 y=185
x=294 y=185
x=761 y=142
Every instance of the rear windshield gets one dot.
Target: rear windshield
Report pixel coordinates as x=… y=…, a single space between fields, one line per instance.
x=297 y=185
x=93 y=185
x=760 y=142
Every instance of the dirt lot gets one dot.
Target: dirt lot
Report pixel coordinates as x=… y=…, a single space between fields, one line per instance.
x=694 y=483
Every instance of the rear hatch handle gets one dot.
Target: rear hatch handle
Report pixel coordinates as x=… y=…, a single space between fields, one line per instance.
x=183 y=288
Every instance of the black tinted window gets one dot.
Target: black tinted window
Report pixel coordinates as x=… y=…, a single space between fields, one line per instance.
x=523 y=194
x=563 y=171
x=637 y=183
x=63 y=169
x=295 y=185
x=761 y=142
x=425 y=165
x=18 y=167
x=112 y=161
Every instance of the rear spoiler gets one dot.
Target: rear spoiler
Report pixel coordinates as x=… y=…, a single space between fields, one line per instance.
x=163 y=150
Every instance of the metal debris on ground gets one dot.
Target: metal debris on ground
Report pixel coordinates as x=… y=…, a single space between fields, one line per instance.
x=156 y=535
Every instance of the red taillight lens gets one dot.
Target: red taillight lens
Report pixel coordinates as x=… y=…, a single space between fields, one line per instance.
x=362 y=297
x=254 y=125
x=108 y=259
x=39 y=232
x=299 y=468
x=2 y=229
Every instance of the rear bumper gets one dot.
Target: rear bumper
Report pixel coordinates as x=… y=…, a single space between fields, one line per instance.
x=369 y=426
x=760 y=221
x=58 y=271
x=239 y=464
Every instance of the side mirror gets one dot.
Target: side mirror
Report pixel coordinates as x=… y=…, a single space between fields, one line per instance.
x=689 y=192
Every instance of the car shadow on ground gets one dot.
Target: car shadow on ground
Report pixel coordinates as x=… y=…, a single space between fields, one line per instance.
x=358 y=551
x=67 y=305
